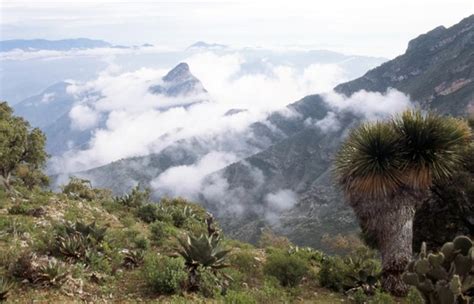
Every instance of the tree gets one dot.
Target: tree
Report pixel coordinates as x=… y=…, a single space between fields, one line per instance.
x=387 y=168
x=22 y=153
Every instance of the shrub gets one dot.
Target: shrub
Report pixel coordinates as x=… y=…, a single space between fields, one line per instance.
x=82 y=189
x=148 y=213
x=159 y=232
x=245 y=261
x=208 y=283
x=357 y=270
x=288 y=269
x=165 y=274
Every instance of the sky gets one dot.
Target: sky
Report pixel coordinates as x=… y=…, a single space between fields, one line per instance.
x=369 y=27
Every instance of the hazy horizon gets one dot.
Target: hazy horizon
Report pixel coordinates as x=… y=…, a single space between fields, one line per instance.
x=368 y=27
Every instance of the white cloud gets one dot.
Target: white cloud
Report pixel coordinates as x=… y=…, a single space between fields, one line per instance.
x=370 y=105
x=277 y=202
x=171 y=182
x=83 y=117
x=48 y=97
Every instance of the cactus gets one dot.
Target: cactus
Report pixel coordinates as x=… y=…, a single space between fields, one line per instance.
x=445 y=277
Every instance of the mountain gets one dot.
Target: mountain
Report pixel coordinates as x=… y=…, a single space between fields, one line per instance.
x=40 y=110
x=204 y=45
x=56 y=45
x=436 y=70
x=179 y=82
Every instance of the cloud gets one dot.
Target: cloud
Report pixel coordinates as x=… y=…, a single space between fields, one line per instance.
x=370 y=105
x=136 y=122
x=83 y=117
x=278 y=202
x=187 y=180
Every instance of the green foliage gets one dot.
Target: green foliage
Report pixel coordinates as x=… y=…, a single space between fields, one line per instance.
x=18 y=209
x=359 y=270
x=239 y=297
x=411 y=150
x=287 y=268
x=209 y=285
x=78 y=188
x=20 y=146
x=246 y=263
x=5 y=288
x=135 y=199
x=52 y=273
x=77 y=241
x=203 y=251
x=160 y=232
x=165 y=274
x=148 y=213
x=446 y=276
x=133 y=258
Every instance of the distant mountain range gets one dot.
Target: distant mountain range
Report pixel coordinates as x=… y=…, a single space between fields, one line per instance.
x=56 y=45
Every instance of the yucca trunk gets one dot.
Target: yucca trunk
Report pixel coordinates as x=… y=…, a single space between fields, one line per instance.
x=390 y=221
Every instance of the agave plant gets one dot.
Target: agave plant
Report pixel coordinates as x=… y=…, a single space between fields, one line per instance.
x=202 y=252
x=133 y=258
x=387 y=168
x=52 y=273
x=5 y=287
x=72 y=246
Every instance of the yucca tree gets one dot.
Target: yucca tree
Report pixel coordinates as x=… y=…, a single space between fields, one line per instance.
x=387 y=168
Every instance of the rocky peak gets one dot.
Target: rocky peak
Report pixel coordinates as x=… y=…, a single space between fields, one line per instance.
x=179 y=82
x=178 y=73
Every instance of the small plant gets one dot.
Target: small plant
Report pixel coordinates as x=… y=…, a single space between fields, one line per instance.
x=180 y=216
x=5 y=288
x=79 y=188
x=133 y=258
x=165 y=274
x=288 y=269
x=446 y=276
x=52 y=273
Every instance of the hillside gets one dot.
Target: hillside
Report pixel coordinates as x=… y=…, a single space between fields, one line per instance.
x=42 y=258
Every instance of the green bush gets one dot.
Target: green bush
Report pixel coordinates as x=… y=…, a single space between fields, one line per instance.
x=135 y=199
x=359 y=269
x=245 y=262
x=18 y=209
x=165 y=274
x=159 y=232
x=209 y=284
x=288 y=269
x=148 y=213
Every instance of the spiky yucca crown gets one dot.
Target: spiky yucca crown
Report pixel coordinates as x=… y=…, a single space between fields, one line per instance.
x=410 y=151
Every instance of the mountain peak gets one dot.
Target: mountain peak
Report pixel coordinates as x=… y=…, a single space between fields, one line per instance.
x=179 y=82
x=181 y=71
